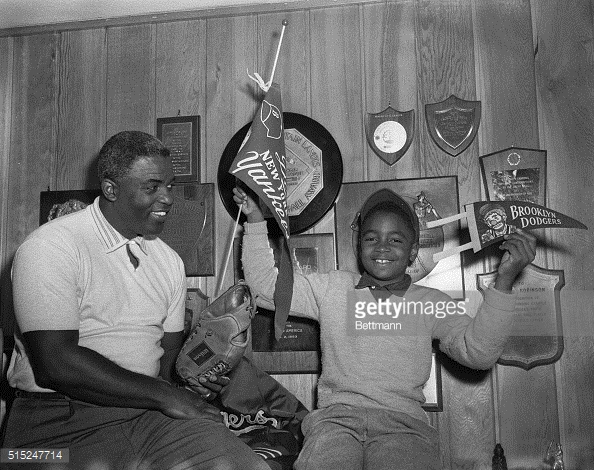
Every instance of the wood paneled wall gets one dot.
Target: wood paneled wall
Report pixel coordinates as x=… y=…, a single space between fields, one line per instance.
x=531 y=63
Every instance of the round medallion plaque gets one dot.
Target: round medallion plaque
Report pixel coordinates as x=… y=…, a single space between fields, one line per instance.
x=314 y=171
x=390 y=136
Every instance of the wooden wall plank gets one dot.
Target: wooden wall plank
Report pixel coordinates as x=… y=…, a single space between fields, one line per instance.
x=6 y=57
x=292 y=69
x=526 y=400
x=231 y=103
x=32 y=147
x=390 y=71
x=81 y=108
x=181 y=69
x=181 y=84
x=564 y=74
x=131 y=79
x=445 y=66
x=336 y=72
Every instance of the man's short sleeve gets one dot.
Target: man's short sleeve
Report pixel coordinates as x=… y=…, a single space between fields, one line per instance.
x=176 y=311
x=44 y=275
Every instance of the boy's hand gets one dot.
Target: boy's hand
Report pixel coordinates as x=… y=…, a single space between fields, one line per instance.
x=248 y=206
x=520 y=250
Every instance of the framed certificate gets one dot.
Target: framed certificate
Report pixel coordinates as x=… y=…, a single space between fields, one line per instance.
x=516 y=174
x=180 y=135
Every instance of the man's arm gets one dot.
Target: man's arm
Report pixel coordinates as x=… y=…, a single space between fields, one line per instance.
x=60 y=364
x=171 y=344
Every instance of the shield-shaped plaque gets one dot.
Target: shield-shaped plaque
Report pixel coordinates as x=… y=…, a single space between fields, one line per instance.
x=390 y=132
x=537 y=336
x=453 y=123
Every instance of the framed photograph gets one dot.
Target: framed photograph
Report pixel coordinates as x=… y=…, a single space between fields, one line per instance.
x=432 y=199
x=180 y=135
x=515 y=173
x=298 y=351
x=189 y=229
x=432 y=389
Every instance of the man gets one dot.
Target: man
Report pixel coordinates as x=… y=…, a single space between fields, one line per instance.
x=99 y=301
x=495 y=218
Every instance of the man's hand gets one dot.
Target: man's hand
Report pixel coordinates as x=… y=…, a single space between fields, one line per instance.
x=520 y=250
x=210 y=387
x=248 y=206
x=186 y=404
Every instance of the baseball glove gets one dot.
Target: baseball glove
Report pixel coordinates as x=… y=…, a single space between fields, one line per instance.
x=218 y=340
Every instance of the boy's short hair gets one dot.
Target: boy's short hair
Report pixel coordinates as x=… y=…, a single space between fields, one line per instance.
x=388 y=200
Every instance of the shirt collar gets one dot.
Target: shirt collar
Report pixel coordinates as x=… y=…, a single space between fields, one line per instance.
x=109 y=236
x=398 y=288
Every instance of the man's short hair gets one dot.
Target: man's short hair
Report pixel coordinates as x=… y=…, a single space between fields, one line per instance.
x=121 y=150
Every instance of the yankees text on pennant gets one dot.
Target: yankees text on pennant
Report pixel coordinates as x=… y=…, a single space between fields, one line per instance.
x=489 y=222
x=390 y=132
x=537 y=334
x=313 y=171
x=260 y=162
x=453 y=123
x=261 y=165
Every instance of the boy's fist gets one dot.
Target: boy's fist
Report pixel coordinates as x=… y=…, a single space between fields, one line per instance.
x=248 y=206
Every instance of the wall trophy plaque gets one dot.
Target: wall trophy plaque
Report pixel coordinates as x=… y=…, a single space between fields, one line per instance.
x=314 y=171
x=537 y=336
x=180 y=135
x=390 y=132
x=515 y=173
x=453 y=123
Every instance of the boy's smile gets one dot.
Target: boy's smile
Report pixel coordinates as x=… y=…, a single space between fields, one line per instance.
x=386 y=246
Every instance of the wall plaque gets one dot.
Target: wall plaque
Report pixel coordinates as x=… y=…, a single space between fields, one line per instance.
x=453 y=123
x=515 y=174
x=390 y=132
x=180 y=135
x=314 y=171
x=537 y=336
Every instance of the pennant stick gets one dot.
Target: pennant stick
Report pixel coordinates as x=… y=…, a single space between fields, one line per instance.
x=222 y=277
x=459 y=249
x=285 y=23
x=446 y=220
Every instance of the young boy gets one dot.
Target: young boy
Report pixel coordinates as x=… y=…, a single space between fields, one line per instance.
x=369 y=412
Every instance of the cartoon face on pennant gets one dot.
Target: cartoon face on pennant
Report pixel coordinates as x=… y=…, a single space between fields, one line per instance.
x=272 y=120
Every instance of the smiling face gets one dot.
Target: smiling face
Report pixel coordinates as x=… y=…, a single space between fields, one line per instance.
x=387 y=246
x=140 y=200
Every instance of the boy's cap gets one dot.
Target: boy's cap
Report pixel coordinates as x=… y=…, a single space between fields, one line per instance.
x=386 y=195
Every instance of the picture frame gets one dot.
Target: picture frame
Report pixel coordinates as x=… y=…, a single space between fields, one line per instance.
x=298 y=351
x=432 y=198
x=515 y=173
x=189 y=229
x=181 y=135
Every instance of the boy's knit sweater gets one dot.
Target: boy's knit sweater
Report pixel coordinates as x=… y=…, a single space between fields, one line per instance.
x=367 y=369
